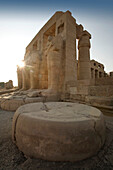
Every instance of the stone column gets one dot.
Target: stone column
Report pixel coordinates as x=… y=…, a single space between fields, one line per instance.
x=84 y=70
x=26 y=78
x=55 y=58
x=19 y=75
x=94 y=74
x=102 y=74
x=36 y=71
x=54 y=63
x=32 y=79
x=34 y=82
x=97 y=74
x=23 y=79
x=111 y=74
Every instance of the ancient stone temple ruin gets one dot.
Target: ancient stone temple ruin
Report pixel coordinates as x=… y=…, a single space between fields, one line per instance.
x=55 y=129
x=57 y=67
x=50 y=58
x=52 y=66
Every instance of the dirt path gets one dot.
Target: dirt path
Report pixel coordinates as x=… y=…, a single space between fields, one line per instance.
x=12 y=159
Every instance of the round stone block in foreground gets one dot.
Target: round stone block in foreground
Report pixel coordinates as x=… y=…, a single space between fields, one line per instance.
x=58 y=131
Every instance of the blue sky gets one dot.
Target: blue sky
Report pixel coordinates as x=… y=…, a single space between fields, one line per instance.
x=91 y=5
x=21 y=20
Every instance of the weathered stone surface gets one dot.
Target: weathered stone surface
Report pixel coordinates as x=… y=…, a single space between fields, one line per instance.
x=34 y=94
x=101 y=90
x=97 y=70
x=51 y=65
x=12 y=101
x=104 y=102
x=50 y=59
x=84 y=71
x=33 y=99
x=11 y=104
x=58 y=131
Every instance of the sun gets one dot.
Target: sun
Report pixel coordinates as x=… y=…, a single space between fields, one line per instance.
x=21 y=64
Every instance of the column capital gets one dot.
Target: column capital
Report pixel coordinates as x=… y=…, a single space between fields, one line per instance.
x=84 y=40
x=86 y=33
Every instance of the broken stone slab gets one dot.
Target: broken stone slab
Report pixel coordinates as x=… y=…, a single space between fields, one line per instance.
x=11 y=104
x=58 y=131
x=8 y=91
x=23 y=92
x=34 y=94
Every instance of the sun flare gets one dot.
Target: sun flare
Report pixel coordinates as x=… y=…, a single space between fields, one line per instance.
x=21 y=64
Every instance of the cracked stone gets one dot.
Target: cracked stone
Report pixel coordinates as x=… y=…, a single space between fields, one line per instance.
x=56 y=127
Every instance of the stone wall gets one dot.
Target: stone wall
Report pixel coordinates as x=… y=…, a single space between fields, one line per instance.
x=104 y=81
x=101 y=90
x=97 y=69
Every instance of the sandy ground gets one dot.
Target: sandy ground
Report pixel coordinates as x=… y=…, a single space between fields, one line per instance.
x=12 y=159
